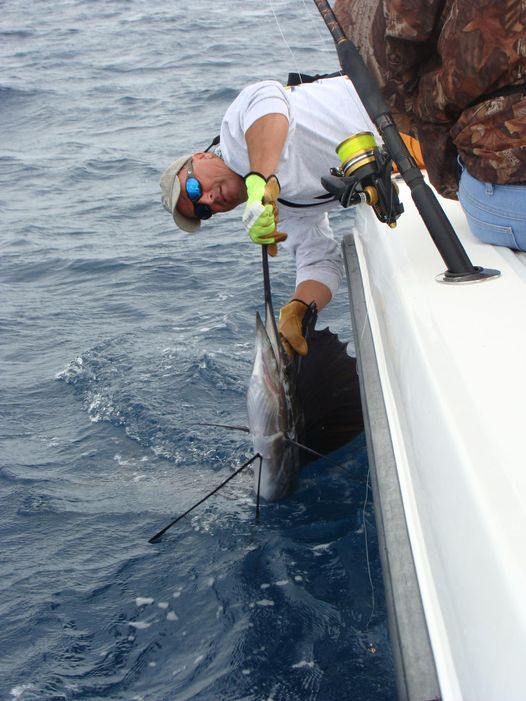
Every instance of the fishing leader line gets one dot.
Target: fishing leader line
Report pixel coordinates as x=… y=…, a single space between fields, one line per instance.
x=311 y=16
x=295 y=62
x=371 y=647
x=373 y=599
x=350 y=90
x=283 y=36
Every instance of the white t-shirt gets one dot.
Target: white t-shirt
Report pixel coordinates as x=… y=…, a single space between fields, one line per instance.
x=321 y=115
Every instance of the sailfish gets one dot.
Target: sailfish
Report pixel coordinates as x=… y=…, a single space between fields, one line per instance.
x=299 y=408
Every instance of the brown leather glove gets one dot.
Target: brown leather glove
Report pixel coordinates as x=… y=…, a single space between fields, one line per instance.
x=272 y=190
x=289 y=327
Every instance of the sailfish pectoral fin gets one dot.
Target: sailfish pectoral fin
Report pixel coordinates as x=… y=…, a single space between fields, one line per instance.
x=160 y=533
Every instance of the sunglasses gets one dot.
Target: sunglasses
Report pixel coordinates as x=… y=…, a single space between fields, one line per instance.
x=195 y=192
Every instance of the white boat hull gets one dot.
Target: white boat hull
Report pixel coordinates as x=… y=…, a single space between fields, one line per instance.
x=450 y=362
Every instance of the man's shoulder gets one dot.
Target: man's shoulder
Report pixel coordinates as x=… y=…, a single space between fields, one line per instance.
x=267 y=84
x=255 y=93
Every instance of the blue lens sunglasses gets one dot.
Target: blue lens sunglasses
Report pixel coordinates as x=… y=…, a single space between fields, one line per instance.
x=195 y=192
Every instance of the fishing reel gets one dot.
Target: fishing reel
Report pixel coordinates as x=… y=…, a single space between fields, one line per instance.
x=365 y=177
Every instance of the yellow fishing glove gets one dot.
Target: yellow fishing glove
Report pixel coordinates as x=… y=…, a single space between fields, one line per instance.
x=289 y=327
x=260 y=216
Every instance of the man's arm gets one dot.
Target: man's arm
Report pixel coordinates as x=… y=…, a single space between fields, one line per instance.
x=265 y=141
x=313 y=291
x=319 y=268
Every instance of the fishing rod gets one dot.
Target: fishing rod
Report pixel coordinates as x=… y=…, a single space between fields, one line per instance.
x=459 y=266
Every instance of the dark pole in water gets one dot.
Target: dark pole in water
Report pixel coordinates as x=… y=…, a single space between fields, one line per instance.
x=266 y=278
x=459 y=266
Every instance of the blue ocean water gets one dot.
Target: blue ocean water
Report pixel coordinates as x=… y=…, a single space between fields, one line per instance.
x=119 y=337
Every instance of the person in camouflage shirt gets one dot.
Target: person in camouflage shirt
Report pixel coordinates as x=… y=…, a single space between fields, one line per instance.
x=453 y=73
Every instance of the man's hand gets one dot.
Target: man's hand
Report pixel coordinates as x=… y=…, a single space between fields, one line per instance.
x=289 y=327
x=261 y=212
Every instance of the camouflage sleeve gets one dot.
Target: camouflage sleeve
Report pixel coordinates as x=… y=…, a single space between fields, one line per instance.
x=433 y=60
x=408 y=45
x=393 y=37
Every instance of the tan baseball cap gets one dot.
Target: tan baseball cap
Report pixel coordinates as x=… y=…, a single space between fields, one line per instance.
x=171 y=189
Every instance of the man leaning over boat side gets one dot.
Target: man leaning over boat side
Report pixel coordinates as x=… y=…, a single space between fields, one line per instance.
x=275 y=145
x=454 y=75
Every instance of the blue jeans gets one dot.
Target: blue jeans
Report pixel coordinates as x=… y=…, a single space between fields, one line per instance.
x=496 y=213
